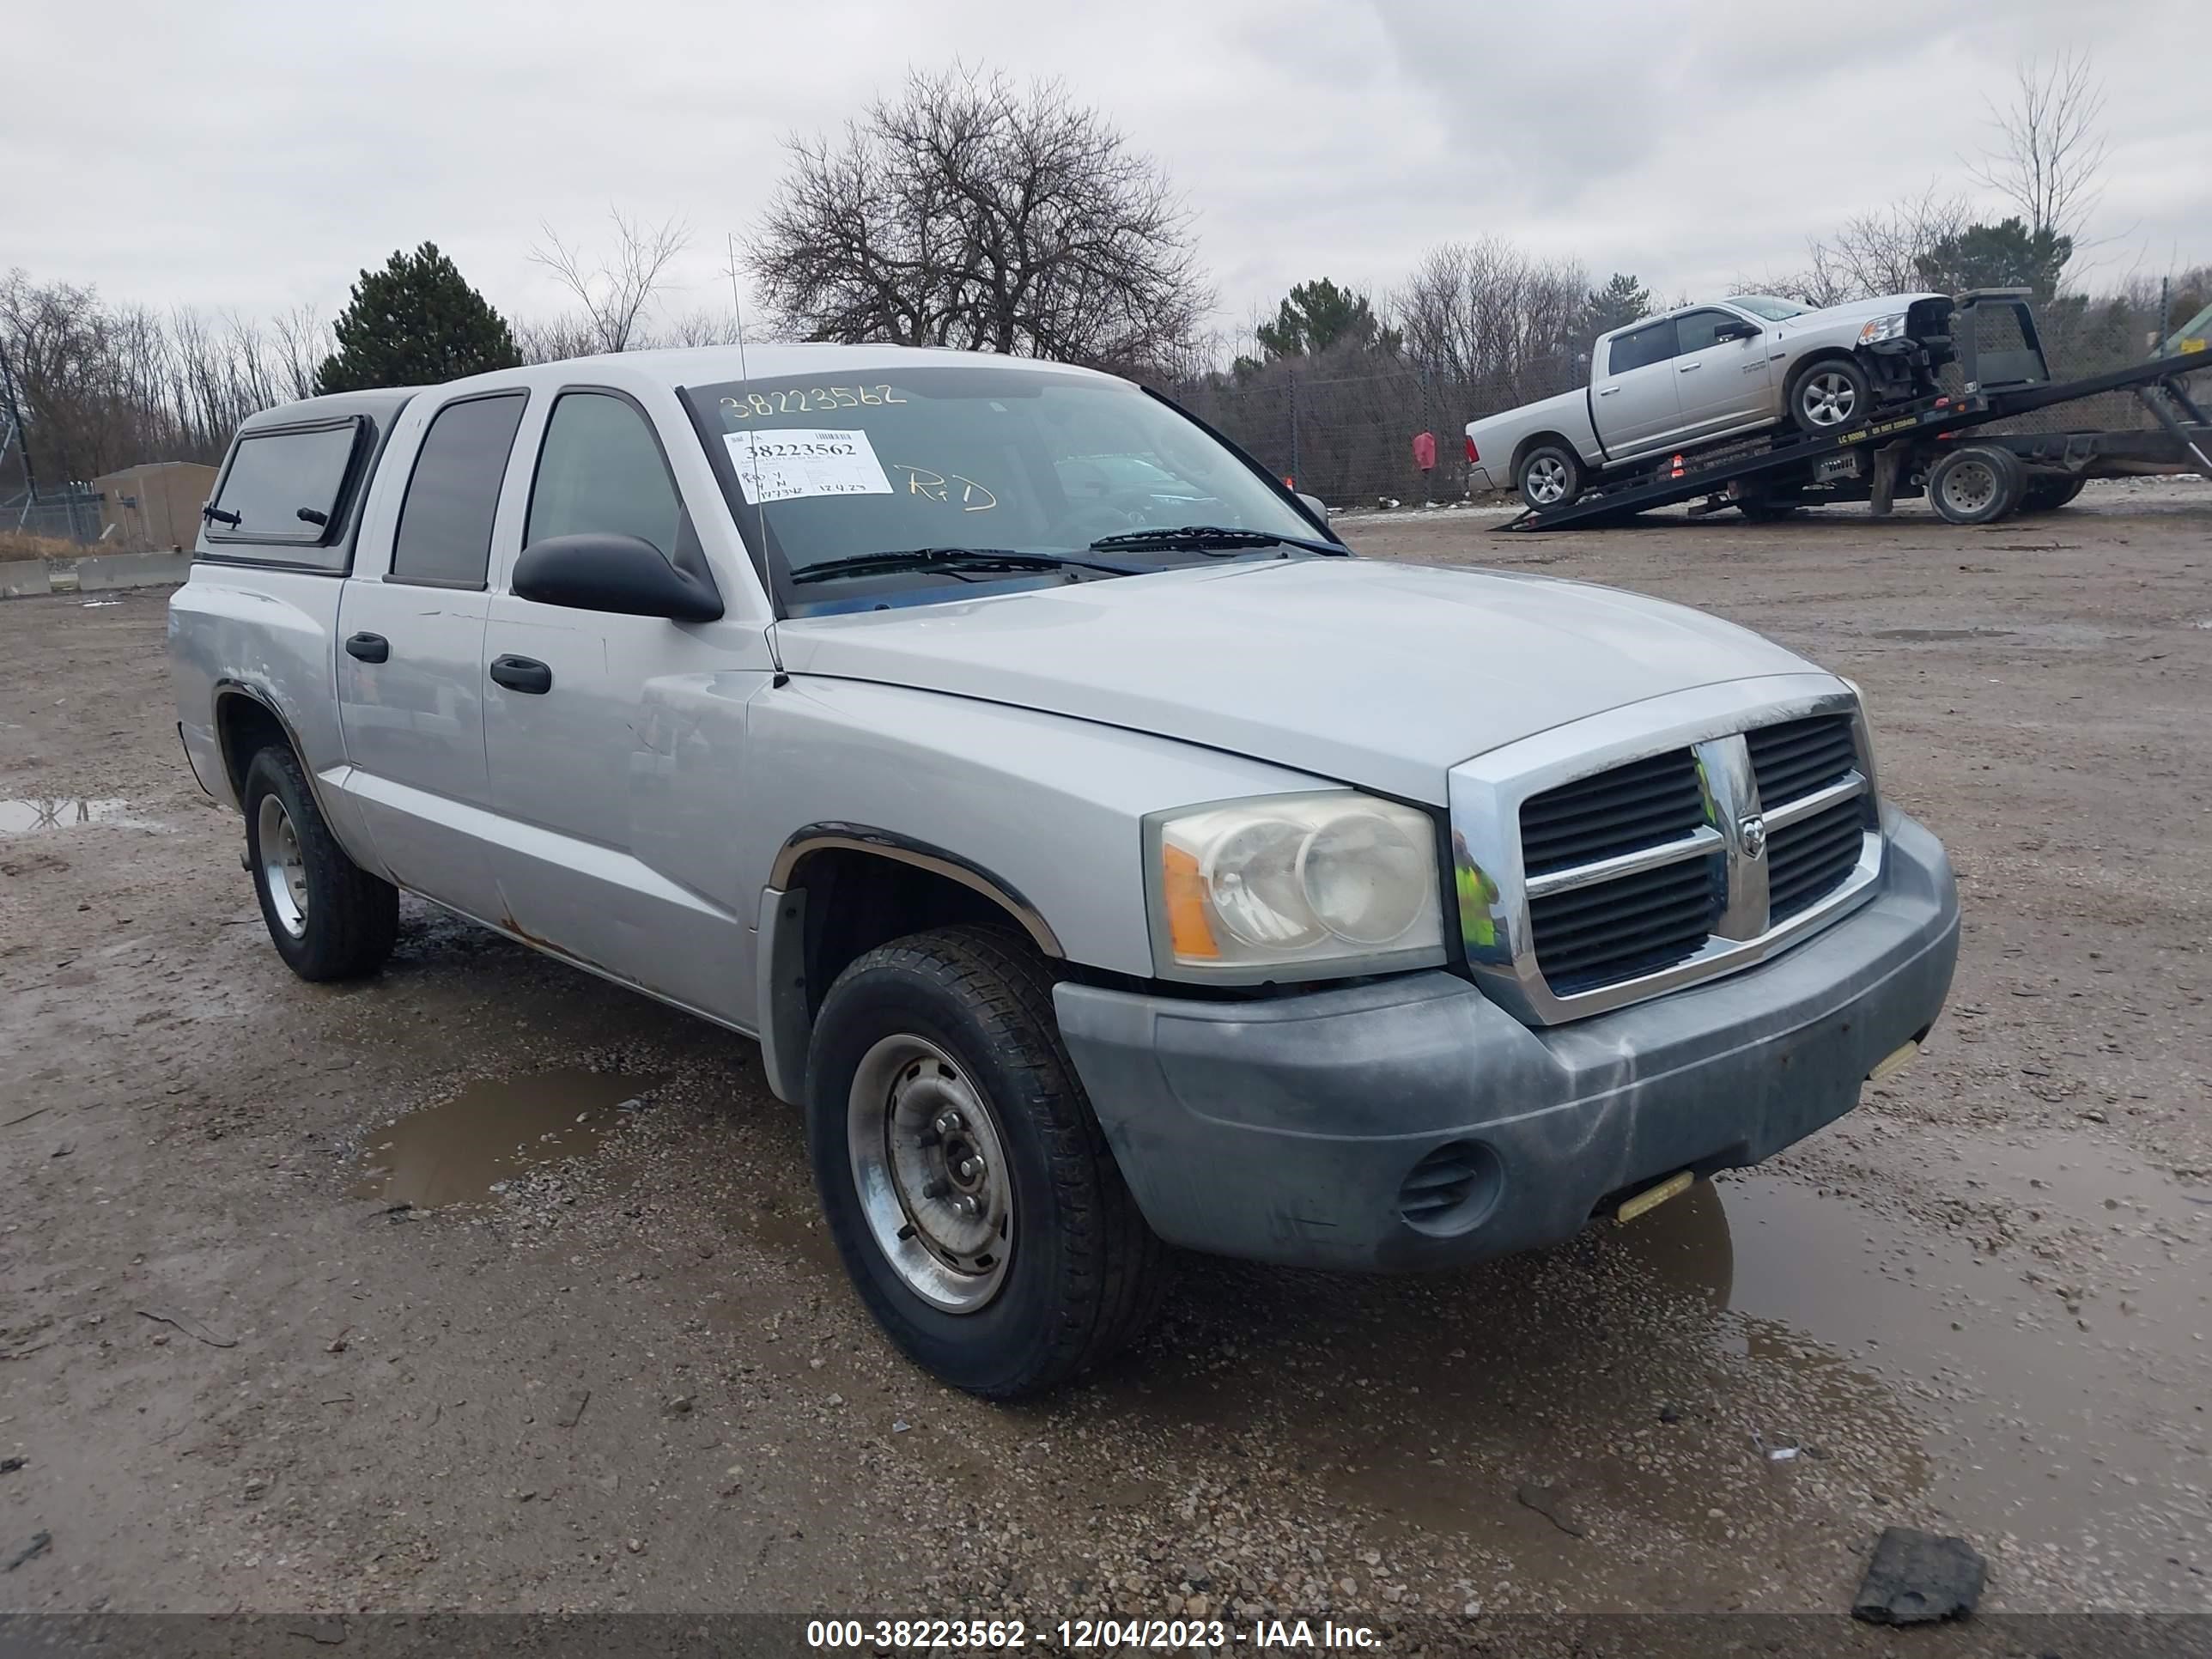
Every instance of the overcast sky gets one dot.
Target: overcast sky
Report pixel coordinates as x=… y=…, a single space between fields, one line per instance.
x=231 y=153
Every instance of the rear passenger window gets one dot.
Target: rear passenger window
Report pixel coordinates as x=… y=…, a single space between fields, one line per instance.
x=600 y=470
x=445 y=521
x=1641 y=348
x=283 y=487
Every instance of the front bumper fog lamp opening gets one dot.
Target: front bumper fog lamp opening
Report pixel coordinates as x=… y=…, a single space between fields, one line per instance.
x=1452 y=1189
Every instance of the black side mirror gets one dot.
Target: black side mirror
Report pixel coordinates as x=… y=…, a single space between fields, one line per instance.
x=1736 y=331
x=618 y=573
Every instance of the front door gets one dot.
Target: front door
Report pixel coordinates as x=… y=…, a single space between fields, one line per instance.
x=1635 y=404
x=1723 y=384
x=611 y=740
x=409 y=669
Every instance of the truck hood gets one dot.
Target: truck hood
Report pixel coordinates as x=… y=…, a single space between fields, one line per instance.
x=1365 y=672
x=1859 y=311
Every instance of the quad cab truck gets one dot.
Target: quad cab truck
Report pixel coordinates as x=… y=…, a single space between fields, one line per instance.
x=1706 y=374
x=1105 y=859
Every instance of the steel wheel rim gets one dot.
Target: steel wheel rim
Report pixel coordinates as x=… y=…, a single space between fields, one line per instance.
x=1547 y=480
x=284 y=866
x=1969 y=486
x=929 y=1168
x=1828 y=399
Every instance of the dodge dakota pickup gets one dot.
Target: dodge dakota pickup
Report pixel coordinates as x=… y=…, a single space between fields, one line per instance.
x=1104 y=858
x=1708 y=373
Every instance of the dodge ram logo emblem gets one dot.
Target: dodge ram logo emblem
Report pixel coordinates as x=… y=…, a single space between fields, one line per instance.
x=1754 y=831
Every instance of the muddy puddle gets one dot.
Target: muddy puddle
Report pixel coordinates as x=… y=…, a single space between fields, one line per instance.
x=463 y=1150
x=1899 y=1362
x=33 y=815
x=2038 y=1366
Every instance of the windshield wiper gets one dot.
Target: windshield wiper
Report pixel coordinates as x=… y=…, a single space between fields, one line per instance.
x=979 y=559
x=1204 y=538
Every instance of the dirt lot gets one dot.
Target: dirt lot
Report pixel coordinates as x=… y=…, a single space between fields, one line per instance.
x=625 y=1372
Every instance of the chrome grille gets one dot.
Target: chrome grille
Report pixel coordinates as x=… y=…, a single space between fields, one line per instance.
x=1798 y=757
x=1721 y=828
x=1632 y=806
x=1808 y=860
x=1594 y=935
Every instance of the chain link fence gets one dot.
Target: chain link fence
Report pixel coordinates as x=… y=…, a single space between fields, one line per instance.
x=70 y=515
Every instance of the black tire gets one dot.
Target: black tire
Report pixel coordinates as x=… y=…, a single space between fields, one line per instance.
x=1769 y=510
x=1831 y=395
x=1081 y=1274
x=1976 y=484
x=2047 y=494
x=345 y=926
x=1546 y=468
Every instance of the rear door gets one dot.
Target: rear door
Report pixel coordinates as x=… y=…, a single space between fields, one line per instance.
x=609 y=737
x=410 y=645
x=1722 y=384
x=1635 y=404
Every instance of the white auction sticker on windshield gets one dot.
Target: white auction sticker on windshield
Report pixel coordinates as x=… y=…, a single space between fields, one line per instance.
x=782 y=465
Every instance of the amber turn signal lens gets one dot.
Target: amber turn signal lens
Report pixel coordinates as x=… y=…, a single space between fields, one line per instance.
x=1185 y=893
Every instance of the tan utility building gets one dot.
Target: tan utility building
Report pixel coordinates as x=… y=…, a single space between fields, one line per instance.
x=153 y=505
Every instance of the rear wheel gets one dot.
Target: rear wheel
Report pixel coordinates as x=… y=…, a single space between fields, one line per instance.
x=966 y=1182
x=1831 y=396
x=1550 y=475
x=1975 y=484
x=328 y=917
x=2047 y=494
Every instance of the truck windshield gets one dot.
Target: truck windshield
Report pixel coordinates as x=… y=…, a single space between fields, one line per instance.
x=1021 y=461
x=1766 y=306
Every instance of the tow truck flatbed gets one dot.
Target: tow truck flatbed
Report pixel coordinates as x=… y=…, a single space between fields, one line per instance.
x=1974 y=479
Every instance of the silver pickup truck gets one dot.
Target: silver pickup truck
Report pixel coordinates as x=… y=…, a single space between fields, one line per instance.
x=1102 y=856
x=1708 y=373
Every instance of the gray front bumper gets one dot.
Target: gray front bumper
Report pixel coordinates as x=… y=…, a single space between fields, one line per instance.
x=1283 y=1130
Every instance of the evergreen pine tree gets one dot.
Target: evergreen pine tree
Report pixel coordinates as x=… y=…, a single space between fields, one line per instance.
x=416 y=322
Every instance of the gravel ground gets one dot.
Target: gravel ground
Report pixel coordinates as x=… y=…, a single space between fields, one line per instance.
x=625 y=1372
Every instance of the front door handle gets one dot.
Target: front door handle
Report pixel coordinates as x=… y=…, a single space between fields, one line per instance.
x=369 y=647
x=1686 y=368
x=525 y=674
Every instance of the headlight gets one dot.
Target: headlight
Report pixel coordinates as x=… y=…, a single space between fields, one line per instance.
x=1321 y=885
x=1883 y=328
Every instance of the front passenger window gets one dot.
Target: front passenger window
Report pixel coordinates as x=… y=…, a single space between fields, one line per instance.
x=1699 y=330
x=600 y=471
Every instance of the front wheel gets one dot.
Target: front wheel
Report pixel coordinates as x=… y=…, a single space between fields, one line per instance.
x=328 y=917
x=1833 y=395
x=1550 y=477
x=967 y=1185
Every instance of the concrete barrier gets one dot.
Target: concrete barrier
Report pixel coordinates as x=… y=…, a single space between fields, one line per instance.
x=131 y=570
x=92 y=574
x=21 y=578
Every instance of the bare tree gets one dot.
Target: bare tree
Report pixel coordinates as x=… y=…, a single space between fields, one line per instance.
x=1491 y=318
x=1882 y=253
x=615 y=294
x=303 y=339
x=969 y=212
x=2050 y=155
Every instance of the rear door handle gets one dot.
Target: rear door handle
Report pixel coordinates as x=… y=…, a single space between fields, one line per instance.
x=1607 y=391
x=525 y=674
x=369 y=647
